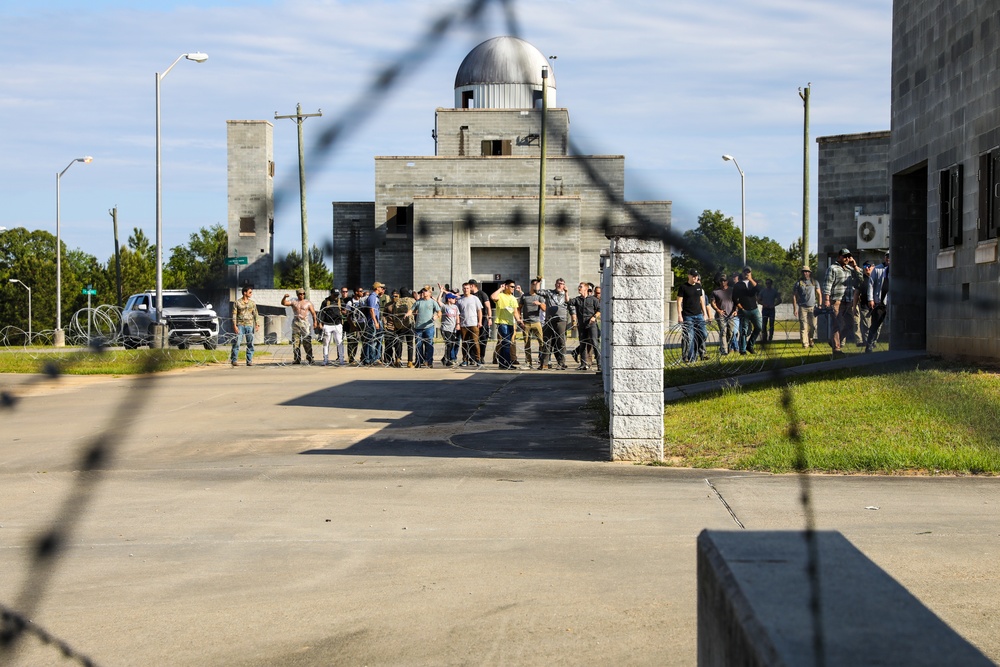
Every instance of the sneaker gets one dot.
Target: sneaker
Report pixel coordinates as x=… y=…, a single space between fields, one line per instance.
x=249 y=363
x=234 y=363
x=563 y=367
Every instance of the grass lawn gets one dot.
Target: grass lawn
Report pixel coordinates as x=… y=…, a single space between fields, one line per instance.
x=927 y=417
x=108 y=362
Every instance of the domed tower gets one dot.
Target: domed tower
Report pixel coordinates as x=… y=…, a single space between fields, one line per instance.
x=504 y=73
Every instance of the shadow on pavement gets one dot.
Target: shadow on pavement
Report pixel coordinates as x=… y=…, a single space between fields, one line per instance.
x=483 y=415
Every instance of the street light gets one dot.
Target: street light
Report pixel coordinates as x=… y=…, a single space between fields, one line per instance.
x=15 y=280
x=158 y=335
x=59 y=338
x=743 y=197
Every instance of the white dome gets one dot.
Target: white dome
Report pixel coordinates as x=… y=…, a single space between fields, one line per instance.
x=504 y=60
x=503 y=73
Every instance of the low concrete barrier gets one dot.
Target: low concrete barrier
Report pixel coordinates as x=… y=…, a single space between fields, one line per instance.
x=754 y=607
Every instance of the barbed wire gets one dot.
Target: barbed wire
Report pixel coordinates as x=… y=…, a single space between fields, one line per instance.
x=99 y=331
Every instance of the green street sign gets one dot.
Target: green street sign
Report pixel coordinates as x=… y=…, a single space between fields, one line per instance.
x=91 y=292
x=230 y=261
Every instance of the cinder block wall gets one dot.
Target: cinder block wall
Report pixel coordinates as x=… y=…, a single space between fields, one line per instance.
x=633 y=329
x=250 y=175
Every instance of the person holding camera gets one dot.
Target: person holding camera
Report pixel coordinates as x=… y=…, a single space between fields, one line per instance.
x=839 y=277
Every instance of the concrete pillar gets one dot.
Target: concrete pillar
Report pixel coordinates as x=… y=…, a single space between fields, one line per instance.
x=274 y=326
x=635 y=401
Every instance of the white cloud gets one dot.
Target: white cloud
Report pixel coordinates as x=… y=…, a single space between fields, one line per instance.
x=671 y=86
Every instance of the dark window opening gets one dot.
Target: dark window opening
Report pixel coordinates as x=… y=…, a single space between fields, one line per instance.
x=398 y=219
x=950 y=200
x=536 y=99
x=988 y=220
x=248 y=226
x=496 y=147
x=468 y=96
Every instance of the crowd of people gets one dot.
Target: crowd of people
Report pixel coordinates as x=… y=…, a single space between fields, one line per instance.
x=380 y=328
x=744 y=311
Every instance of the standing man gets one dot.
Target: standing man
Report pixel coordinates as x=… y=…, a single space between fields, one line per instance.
x=745 y=300
x=860 y=307
x=838 y=279
x=805 y=297
x=372 y=309
x=352 y=328
x=586 y=309
x=450 y=316
x=487 y=324
x=245 y=324
x=693 y=312
x=423 y=312
x=769 y=299
x=508 y=315
x=722 y=304
x=470 y=310
x=877 y=292
x=331 y=316
x=532 y=312
x=302 y=309
x=554 y=329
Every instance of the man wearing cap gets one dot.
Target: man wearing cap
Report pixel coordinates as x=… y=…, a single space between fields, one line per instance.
x=839 y=278
x=806 y=296
x=877 y=291
x=331 y=316
x=371 y=307
x=693 y=313
x=302 y=309
x=449 y=325
x=745 y=300
x=722 y=304
x=769 y=299
x=533 y=311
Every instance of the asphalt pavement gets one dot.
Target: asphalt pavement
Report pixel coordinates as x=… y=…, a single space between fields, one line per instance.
x=291 y=515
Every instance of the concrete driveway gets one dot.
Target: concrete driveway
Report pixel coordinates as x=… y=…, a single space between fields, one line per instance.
x=286 y=515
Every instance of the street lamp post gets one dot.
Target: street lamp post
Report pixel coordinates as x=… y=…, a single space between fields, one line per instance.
x=159 y=335
x=59 y=337
x=15 y=280
x=743 y=205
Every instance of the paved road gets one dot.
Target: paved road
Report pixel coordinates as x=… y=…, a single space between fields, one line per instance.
x=326 y=516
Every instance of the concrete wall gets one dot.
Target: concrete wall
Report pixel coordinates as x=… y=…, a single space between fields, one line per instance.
x=945 y=59
x=460 y=132
x=853 y=173
x=632 y=328
x=250 y=222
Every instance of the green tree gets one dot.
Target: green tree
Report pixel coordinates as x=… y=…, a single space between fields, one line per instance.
x=29 y=256
x=715 y=246
x=288 y=271
x=138 y=259
x=199 y=266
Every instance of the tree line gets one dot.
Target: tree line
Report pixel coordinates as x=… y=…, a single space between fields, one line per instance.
x=715 y=246
x=199 y=266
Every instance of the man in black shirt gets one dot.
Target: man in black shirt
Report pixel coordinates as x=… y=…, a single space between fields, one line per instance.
x=745 y=300
x=585 y=309
x=331 y=316
x=693 y=313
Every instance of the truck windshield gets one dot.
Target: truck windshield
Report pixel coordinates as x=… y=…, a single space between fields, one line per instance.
x=181 y=301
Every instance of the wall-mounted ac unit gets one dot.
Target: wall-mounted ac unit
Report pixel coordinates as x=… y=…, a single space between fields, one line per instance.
x=873 y=232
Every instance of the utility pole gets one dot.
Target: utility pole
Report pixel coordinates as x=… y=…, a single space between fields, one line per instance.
x=298 y=117
x=118 y=259
x=804 y=94
x=541 y=179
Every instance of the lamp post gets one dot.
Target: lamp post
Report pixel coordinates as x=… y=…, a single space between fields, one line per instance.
x=15 y=280
x=743 y=205
x=159 y=337
x=59 y=337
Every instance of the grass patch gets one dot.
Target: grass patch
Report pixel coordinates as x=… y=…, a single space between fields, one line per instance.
x=108 y=362
x=932 y=418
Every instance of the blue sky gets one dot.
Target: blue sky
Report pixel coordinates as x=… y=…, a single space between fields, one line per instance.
x=670 y=85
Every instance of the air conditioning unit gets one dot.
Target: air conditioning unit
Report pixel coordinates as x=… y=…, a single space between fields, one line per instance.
x=873 y=232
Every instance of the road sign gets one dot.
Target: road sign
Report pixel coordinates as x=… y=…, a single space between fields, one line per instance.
x=230 y=261
x=90 y=291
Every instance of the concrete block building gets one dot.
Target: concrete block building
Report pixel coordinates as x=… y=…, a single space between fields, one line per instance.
x=944 y=162
x=853 y=197
x=250 y=150
x=471 y=210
